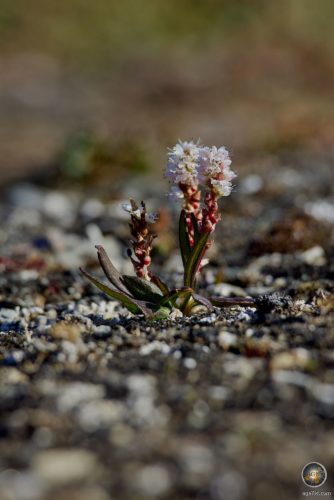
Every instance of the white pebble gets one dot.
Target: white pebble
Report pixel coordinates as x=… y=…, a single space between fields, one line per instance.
x=190 y=363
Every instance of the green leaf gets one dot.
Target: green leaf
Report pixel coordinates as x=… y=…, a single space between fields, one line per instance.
x=185 y=248
x=194 y=259
x=161 y=313
x=142 y=289
x=109 y=269
x=133 y=305
x=172 y=297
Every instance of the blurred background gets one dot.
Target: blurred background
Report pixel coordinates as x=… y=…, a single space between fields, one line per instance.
x=113 y=83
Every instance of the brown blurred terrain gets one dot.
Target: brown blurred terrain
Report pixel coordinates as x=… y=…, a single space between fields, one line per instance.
x=254 y=75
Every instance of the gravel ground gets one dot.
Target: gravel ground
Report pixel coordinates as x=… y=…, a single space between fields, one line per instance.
x=99 y=404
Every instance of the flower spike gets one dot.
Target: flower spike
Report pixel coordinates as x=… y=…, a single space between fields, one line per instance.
x=142 y=238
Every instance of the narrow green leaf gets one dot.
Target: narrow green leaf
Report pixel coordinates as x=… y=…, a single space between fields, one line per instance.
x=194 y=260
x=185 y=248
x=133 y=305
x=172 y=297
x=142 y=289
x=109 y=269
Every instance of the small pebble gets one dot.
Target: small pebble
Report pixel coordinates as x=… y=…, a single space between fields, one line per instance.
x=190 y=363
x=63 y=466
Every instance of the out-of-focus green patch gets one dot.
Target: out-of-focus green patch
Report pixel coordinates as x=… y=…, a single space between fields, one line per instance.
x=85 y=157
x=292 y=141
x=88 y=34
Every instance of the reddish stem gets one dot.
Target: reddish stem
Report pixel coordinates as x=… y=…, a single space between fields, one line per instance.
x=192 y=198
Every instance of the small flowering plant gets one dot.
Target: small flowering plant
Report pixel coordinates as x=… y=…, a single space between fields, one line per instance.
x=199 y=176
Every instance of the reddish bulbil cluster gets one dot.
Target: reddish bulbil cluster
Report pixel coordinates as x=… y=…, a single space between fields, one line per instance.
x=142 y=237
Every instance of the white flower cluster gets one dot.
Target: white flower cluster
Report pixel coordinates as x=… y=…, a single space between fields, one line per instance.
x=182 y=167
x=192 y=165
